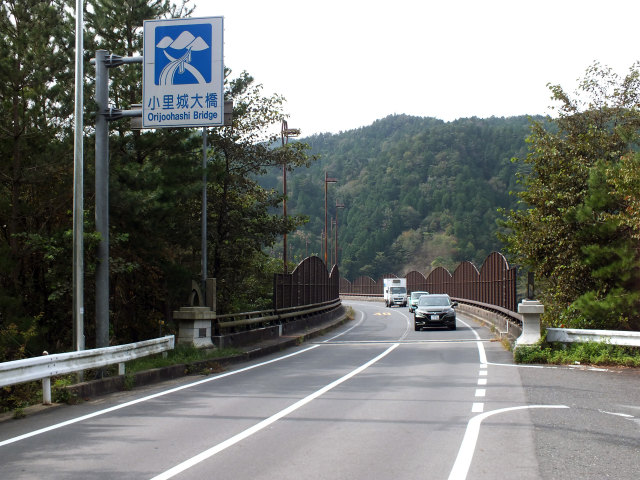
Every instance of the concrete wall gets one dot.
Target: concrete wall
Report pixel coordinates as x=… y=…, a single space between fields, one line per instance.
x=274 y=332
x=498 y=323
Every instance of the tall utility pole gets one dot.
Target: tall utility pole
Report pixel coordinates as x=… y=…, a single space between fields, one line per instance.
x=78 y=187
x=338 y=205
x=285 y=133
x=327 y=181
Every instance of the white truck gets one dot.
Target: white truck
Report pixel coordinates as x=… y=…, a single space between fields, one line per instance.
x=395 y=291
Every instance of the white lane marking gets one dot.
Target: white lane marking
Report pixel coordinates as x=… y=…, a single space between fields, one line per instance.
x=406 y=331
x=557 y=367
x=401 y=340
x=520 y=365
x=477 y=407
x=358 y=323
x=149 y=397
x=481 y=392
x=482 y=381
x=468 y=446
x=266 y=422
x=167 y=392
x=481 y=352
x=482 y=373
x=624 y=415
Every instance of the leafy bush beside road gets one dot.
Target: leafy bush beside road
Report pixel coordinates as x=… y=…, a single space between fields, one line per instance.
x=591 y=353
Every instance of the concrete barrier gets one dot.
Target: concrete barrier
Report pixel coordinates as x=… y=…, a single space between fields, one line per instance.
x=530 y=311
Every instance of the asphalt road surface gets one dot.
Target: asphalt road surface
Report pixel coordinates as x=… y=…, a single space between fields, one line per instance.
x=372 y=400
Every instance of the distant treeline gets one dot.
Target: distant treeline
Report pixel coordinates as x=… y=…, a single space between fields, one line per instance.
x=418 y=192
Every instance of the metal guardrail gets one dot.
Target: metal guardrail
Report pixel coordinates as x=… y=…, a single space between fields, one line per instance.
x=47 y=366
x=261 y=317
x=614 y=337
x=513 y=316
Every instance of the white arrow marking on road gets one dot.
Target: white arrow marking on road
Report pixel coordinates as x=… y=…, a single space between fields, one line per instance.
x=468 y=446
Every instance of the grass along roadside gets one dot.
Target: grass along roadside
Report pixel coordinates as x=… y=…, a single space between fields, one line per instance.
x=588 y=353
x=180 y=354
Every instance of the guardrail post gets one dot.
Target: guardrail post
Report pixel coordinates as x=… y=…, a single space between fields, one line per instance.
x=46 y=387
x=530 y=311
x=46 y=391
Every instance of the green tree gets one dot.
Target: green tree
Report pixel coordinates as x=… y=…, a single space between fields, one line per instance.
x=559 y=232
x=610 y=253
x=155 y=181
x=243 y=225
x=36 y=164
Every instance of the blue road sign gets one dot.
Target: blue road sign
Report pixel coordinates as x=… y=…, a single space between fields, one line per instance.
x=183 y=73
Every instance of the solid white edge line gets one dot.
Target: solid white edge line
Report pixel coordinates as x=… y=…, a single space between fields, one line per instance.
x=468 y=446
x=267 y=421
x=160 y=394
x=624 y=415
x=359 y=322
x=148 y=397
x=481 y=352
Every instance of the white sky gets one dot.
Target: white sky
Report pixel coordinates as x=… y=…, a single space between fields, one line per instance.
x=342 y=64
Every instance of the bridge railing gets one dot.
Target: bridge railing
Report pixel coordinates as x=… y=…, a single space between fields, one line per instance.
x=494 y=284
x=309 y=283
x=263 y=318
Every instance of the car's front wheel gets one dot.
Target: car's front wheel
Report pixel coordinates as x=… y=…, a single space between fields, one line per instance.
x=416 y=327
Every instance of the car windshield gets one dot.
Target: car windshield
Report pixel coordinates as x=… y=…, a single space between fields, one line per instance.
x=398 y=290
x=434 y=301
x=417 y=295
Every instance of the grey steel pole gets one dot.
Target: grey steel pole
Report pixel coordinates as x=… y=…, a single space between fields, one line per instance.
x=78 y=188
x=325 y=218
x=338 y=206
x=327 y=180
x=102 y=200
x=204 y=209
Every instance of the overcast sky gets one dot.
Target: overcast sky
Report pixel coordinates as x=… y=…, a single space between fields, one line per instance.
x=342 y=64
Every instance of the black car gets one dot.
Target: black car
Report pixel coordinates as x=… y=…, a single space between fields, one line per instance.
x=435 y=310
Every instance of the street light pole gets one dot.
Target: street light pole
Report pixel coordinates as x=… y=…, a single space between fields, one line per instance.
x=327 y=181
x=285 y=133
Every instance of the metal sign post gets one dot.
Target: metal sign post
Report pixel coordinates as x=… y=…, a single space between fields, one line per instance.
x=182 y=87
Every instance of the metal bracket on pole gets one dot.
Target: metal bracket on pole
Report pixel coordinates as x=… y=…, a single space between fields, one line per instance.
x=111 y=60
x=116 y=114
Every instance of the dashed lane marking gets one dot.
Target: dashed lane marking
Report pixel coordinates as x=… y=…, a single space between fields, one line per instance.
x=386 y=342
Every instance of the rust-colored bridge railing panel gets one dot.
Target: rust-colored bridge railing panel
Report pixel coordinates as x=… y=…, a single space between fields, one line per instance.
x=494 y=283
x=309 y=283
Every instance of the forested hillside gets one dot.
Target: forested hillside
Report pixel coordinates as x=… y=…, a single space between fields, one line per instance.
x=418 y=192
